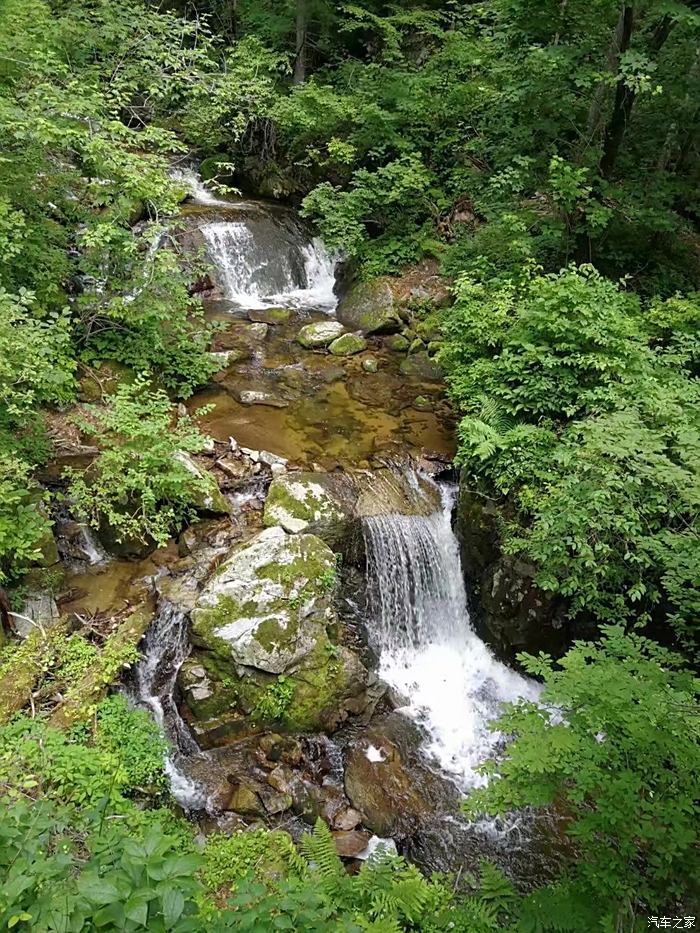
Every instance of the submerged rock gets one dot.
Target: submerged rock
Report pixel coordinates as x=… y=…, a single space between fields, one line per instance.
x=319 y=334
x=370 y=364
x=266 y=606
x=369 y=307
x=348 y=345
x=270 y=316
x=255 y=397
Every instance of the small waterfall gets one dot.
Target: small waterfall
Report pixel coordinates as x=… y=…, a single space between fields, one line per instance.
x=165 y=647
x=419 y=625
x=264 y=264
x=194 y=184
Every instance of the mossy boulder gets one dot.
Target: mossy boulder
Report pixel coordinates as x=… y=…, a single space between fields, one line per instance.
x=306 y=502
x=348 y=345
x=267 y=604
x=420 y=366
x=397 y=342
x=319 y=334
x=323 y=690
x=369 y=307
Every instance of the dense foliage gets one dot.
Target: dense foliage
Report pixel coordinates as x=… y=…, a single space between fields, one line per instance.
x=545 y=155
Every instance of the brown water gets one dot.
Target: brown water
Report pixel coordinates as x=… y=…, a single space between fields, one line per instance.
x=331 y=411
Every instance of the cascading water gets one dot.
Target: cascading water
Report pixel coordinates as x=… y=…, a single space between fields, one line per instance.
x=263 y=264
x=165 y=647
x=194 y=184
x=427 y=649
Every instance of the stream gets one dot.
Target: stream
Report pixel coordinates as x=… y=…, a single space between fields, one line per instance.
x=323 y=413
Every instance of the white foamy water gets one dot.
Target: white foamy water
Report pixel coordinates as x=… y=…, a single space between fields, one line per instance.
x=427 y=648
x=263 y=265
x=165 y=647
x=197 y=189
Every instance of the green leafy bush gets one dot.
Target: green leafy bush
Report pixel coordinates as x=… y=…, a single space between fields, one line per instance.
x=613 y=748
x=139 y=484
x=132 y=736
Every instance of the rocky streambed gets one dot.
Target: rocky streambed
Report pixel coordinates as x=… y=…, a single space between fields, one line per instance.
x=311 y=652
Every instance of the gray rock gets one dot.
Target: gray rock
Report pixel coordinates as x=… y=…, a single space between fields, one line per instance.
x=255 y=397
x=369 y=307
x=420 y=366
x=267 y=604
x=303 y=501
x=319 y=334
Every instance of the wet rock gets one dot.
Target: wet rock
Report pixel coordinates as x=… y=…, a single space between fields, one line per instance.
x=306 y=501
x=348 y=818
x=246 y=801
x=270 y=316
x=381 y=788
x=369 y=307
x=225 y=358
x=256 y=332
x=422 y=403
x=208 y=498
x=416 y=346
x=39 y=611
x=348 y=345
x=370 y=365
x=255 y=397
x=397 y=342
x=320 y=334
x=266 y=606
x=421 y=366
x=350 y=843
x=511 y=613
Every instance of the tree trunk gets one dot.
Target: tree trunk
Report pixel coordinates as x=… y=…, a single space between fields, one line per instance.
x=624 y=95
x=617 y=47
x=300 y=59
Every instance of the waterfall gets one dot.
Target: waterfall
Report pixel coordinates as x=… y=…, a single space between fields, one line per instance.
x=197 y=189
x=428 y=651
x=165 y=647
x=264 y=264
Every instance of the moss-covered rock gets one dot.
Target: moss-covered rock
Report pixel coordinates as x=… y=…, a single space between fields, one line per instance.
x=266 y=606
x=102 y=380
x=369 y=307
x=270 y=316
x=397 y=342
x=319 y=334
x=421 y=366
x=306 y=502
x=348 y=345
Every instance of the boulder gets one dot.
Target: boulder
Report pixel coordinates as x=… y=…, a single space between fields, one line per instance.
x=266 y=606
x=350 y=843
x=369 y=307
x=509 y=610
x=397 y=342
x=306 y=502
x=319 y=334
x=420 y=366
x=208 y=498
x=348 y=345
